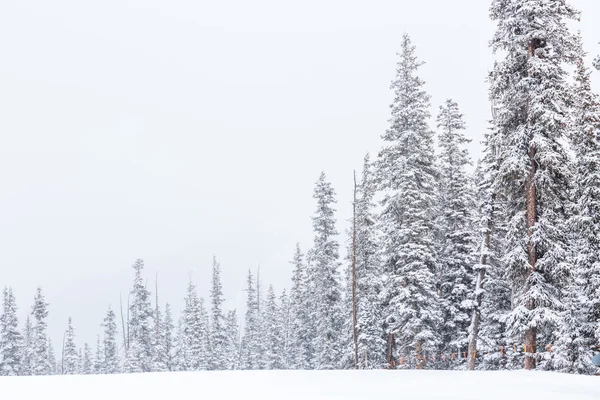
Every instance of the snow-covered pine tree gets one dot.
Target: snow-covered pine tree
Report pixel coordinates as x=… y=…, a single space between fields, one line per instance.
x=284 y=316
x=581 y=328
x=52 y=358
x=139 y=354
x=98 y=358
x=274 y=332
x=193 y=338
x=249 y=347
x=159 y=358
x=110 y=359
x=218 y=338
x=88 y=366
x=27 y=348
x=407 y=178
x=10 y=337
x=302 y=326
x=371 y=342
x=70 y=354
x=39 y=357
x=169 y=339
x=232 y=349
x=327 y=342
x=260 y=345
x=455 y=272
x=530 y=92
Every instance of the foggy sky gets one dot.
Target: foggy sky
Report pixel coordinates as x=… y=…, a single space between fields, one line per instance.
x=175 y=130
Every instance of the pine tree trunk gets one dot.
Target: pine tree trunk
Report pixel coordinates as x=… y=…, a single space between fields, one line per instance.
x=354 y=308
x=531 y=199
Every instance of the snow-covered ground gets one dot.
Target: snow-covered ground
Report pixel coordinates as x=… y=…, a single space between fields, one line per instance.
x=288 y=385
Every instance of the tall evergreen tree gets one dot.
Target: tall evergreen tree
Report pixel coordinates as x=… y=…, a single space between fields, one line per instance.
x=39 y=358
x=10 y=337
x=218 y=358
x=581 y=328
x=529 y=89
x=70 y=355
x=111 y=363
x=407 y=179
x=326 y=279
x=139 y=353
x=455 y=223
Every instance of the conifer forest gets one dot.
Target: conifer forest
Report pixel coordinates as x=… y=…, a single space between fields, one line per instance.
x=451 y=261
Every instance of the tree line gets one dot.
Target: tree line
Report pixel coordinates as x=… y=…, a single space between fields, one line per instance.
x=445 y=268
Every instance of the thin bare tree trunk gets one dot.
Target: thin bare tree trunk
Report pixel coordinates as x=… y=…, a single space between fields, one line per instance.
x=483 y=262
x=354 y=308
x=62 y=361
x=531 y=205
x=123 y=323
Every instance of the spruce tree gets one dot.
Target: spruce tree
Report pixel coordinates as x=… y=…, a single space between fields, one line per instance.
x=581 y=327
x=39 y=357
x=285 y=318
x=529 y=90
x=70 y=355
x=274 y=332
x=407 y=178
x=139 y=353
x=249 y=347
x=455 y=224
x=10 y=337
x=88 y=366
x=232 y=349
x=159 y=357
x=169 y=339
x=98 y=358
x=52 y=359
x=193 y=340
x=302 y=326
x=110 y=363
x=218 y=358
x=326 y=280
x=27 y=348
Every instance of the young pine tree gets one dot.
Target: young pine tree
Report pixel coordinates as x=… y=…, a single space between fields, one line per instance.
x=302 y=326
x=328 y=311
x=110 y=359
x=169 y=339
x=274 y=332
x=232 y=346
x=249 y=348
x=407 y=178
x=10 y=337
x=40 y=364
x=139 y=353
x=218 y=339
x=98 y=358
x=530 y=93
x=70 y=355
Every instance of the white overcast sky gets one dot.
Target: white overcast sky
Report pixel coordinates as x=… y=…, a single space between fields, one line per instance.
x=175 y=130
